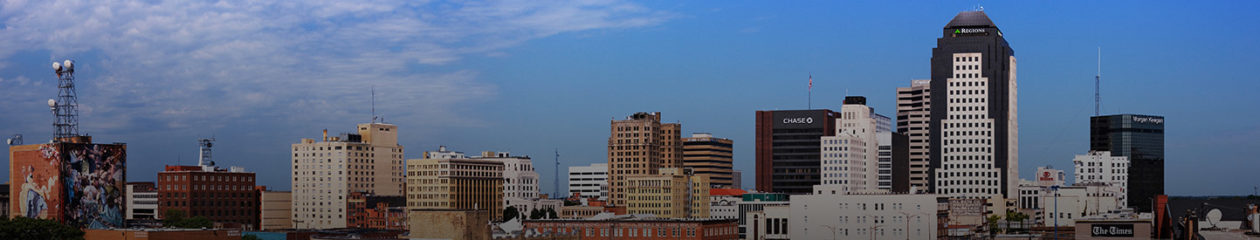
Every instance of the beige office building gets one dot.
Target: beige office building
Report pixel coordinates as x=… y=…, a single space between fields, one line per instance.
x=709 y=156
x=326 y=171
x=914 y=108
x=673 y=193
x=640 y=145
x=455 y=184
x=275 y=210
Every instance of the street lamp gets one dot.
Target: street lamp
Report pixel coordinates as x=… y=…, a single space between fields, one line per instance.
x=907 y=218
x=1056 y=210
x=833 y=230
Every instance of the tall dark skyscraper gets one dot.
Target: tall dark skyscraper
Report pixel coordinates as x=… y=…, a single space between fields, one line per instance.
x=1141 y=138
x=788 y=147
x=973 y=131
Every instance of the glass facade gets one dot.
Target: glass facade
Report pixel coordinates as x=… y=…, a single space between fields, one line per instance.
x=1141 y=138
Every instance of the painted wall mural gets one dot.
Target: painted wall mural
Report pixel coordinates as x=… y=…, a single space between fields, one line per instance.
x=82 y=185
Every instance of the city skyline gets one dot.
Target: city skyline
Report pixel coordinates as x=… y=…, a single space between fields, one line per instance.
x=549 y=86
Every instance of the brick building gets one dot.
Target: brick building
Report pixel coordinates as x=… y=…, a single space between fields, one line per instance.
x=223 y=196
x=365 y=210
x=627 y=227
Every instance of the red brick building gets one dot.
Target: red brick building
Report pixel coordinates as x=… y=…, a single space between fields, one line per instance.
x=634 y=228
x=368 y=211
x=223 y=196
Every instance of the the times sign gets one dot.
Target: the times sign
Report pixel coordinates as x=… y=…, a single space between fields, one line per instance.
x=1111 y=230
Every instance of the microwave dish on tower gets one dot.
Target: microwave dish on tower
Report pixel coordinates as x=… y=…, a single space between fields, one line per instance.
x=66 y=106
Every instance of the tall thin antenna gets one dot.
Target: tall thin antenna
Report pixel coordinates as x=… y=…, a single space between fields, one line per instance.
x=373 y=103
x=555 y=177
x=1097 y=86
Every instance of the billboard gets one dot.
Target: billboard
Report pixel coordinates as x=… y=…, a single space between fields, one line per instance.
x=80 y=184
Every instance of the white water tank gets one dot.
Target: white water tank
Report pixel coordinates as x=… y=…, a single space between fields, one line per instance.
x=1255 y=222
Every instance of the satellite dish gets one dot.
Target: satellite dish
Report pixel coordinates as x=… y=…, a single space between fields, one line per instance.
x=1214 y=217
x=57 y=66
x=52 y=103
x=69 y=65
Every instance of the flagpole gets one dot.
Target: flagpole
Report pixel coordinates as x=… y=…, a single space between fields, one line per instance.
x=809 y=105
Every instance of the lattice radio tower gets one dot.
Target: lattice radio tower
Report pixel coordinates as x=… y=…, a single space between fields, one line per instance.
x=66 y=106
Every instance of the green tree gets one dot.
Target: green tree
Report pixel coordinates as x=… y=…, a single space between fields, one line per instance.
x=1010 y=216
x=176 y=218
x=1020 y=217
x=26 y=228
x=993 y=223
x=510 y=212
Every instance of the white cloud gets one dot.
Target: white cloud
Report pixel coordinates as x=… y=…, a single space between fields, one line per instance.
x=195 y=63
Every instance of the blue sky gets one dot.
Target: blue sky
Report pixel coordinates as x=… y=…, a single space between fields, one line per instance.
x=530 y=77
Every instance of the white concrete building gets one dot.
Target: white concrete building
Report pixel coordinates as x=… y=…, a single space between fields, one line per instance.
x=589 y=181
x=724 y=207
x=885 y=163
x=1074 y=202
x=770 y=223
x=851 y=157
x=968 y=165
x=142 y=201
x=326 y=171
x=1101 y=167
x=826 y=215
x=755 y=203
x=1047 y=176
x=520 y=181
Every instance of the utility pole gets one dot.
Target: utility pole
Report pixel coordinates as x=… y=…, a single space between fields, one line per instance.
x=555 y=176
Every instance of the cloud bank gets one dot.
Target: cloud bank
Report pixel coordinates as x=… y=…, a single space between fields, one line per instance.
x=166 y=65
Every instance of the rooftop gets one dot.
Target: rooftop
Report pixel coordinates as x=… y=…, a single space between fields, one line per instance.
x=970 y=19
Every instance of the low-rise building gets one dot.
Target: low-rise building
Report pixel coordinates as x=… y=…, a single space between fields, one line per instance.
x=836 y=215
x=449 y=224
x=275 y=209
x=221 y=195
x=589 y=181
x=1061 y=205
x=161 y=233
x=770 y=223
x=635 y=227
x=724 y=203
x=142 y=200
x=756 y=202
x=674 y=193
x=455 y=184
x=368 y=211
x=1100 y=167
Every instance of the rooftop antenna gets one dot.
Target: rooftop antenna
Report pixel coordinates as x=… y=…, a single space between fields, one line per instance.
x=205 y=158
x=374 y=104
x=555 y=176
x=1097 y=85
x=66 y=106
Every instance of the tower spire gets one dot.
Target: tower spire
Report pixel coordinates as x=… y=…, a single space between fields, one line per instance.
x=66 y=106
x=1097 y=86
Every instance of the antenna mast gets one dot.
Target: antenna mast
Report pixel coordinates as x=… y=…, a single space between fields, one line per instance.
x=555 y=176
x=374 y=104
x=1097 y=84
x=66 y=106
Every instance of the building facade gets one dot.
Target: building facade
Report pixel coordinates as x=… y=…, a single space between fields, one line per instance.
x=589 y=181
x=974 y=131
x=788 y=149
x=673 y=193
x=325 y=172
x=455 y=184
x=826 y=215
x=520 y=181
x=142 y=200
x=710 y=156
x=69 y=181
x=640 y=145
x=221 y=195
x=914 y=112
x=1103 y=168
x=624 y=227
x=1141 y=139
x=850 y=158
x=752 y=203
x=369 y=211
x=275 y=210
